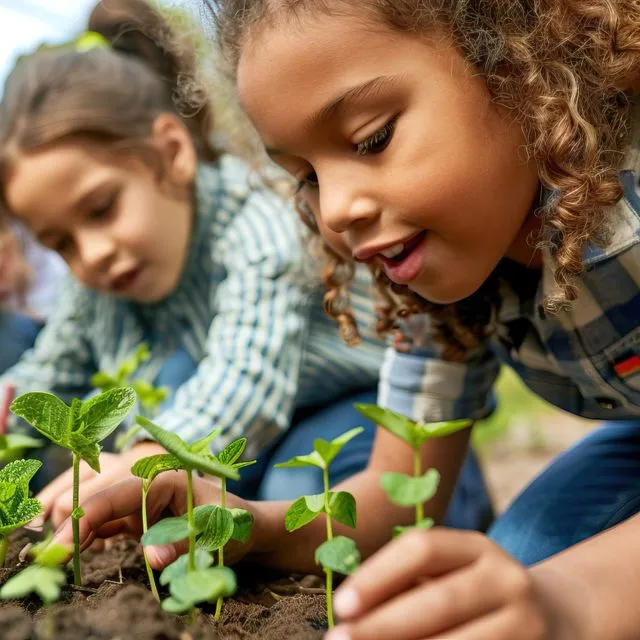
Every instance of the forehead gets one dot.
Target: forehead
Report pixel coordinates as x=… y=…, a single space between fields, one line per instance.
x=294 y=66
x=44 y=182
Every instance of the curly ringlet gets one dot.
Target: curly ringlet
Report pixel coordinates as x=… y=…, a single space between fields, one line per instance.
x=562 y=69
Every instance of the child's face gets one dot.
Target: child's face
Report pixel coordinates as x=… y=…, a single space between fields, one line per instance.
x=120 y=230
x=398 y=144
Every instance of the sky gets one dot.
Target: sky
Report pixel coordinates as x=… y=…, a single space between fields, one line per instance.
x=24 y=24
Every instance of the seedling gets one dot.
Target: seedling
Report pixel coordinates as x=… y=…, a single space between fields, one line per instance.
x=337 y=554
x=192 y=579
x=78 y=428
x=404 y=490
x=44 y=577
x=16 y=507
x=150 y=397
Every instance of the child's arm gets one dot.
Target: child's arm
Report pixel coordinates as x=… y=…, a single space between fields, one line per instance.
x=247 y=381
x=61 y=361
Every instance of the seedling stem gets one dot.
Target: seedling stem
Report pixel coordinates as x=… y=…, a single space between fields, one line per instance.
x=192 y=522
x=75 y=520
x=145 y=526
x=417 y=472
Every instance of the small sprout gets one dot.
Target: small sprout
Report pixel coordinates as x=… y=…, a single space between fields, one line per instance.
x=79 y=428
x=209 y=527
x=404 y=490
x=13 y=445
x=338 y=554
x=44 y=577
x=150 y=397
x=16 y=507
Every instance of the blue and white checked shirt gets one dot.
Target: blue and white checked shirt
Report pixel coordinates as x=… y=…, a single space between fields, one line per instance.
x=242 y=310
x=575 y=359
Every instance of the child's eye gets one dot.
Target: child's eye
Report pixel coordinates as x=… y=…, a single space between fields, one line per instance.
x=310 y=180
x=104 y=208
x=377 y=142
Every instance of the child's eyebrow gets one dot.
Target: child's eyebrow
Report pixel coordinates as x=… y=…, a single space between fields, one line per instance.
x=359 y=93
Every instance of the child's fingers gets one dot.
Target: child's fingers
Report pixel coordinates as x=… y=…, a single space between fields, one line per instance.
x=445 y=603
x=402 y=563
x=160 y=557
x=61 y=484
x=114 y=503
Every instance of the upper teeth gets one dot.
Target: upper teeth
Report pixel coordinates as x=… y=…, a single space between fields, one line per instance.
x=394 y=251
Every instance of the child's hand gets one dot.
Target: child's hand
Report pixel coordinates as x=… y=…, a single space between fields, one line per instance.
x=440 y=584
x=117 y=510
x=57 y=496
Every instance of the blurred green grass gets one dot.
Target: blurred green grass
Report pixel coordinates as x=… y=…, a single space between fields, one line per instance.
x=515 y=404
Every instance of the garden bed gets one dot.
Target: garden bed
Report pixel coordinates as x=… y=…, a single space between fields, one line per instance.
x=115 y=603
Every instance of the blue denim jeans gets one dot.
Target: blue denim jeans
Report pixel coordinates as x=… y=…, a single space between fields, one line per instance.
x=589 y=488
x=18 y=332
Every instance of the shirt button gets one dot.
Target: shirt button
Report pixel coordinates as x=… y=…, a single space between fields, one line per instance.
x=606 y=403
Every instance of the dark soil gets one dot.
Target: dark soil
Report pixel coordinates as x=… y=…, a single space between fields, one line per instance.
x=114 y=603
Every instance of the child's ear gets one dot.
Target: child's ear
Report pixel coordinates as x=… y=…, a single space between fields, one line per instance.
x=177 y=149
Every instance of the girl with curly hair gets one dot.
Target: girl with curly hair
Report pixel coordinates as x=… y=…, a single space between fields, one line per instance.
x=483 y=158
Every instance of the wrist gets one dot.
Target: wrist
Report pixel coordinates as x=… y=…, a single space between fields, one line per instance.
x=561 y=601
x=268 y=526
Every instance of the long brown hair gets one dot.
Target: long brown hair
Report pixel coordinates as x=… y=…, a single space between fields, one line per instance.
x=108 y=94
x=562 y=68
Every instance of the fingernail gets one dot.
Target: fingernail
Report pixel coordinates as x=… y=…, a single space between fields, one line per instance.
x=346 y=603
x=160 y=556
x=339 y=633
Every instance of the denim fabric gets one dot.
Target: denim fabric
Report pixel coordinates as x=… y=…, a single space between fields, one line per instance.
x=18 y=332
x=589 y=488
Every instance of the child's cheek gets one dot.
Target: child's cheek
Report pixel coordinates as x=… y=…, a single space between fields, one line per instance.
x=336 y=241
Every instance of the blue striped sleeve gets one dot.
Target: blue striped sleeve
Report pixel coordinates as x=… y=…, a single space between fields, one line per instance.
x=61 y=360
x=248 y=380
x=423 y=386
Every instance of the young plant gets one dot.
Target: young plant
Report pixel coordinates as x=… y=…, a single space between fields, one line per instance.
x=192 y=579
x=337 y=554
x=44 y=577
x=401 y=489
x=16 y=507
x=150 y=397
x=78 y=428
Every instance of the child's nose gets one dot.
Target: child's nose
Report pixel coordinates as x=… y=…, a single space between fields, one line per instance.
x=341 y=211
x=96 y=251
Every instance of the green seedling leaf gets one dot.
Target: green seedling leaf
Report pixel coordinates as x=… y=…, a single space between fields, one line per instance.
x=19 y=441
x=47 y=414
x=20 y=514
x=399 y=425
x=206 y=585
x=16 y=508
x=429 y=430
x=315 y=502
x=300 y=514
x=43 y=581
x=313 y=459
x=203 y=446
x=407 y=491
x=232 y=452
x=242 y=525
x=181 y=566
x=166 y=531
x=177 y=607
x=340 y=555
x=77 y=513
x=214 y=525
x=343 y=508
x=427 y=523
x=103 y=381
x=19 y=473
x=175 y=445
x=329 y=450
x=104 y=413
x=150 y=467
x=49 y=554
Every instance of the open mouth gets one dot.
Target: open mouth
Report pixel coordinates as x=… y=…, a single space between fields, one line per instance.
x=403 y=261
x=126 y=281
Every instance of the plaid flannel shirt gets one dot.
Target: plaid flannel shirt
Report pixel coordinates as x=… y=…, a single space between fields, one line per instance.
x=585 y=360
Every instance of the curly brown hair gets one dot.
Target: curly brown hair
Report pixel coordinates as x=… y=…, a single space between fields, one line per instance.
x=563 y=68
x=109 y=94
